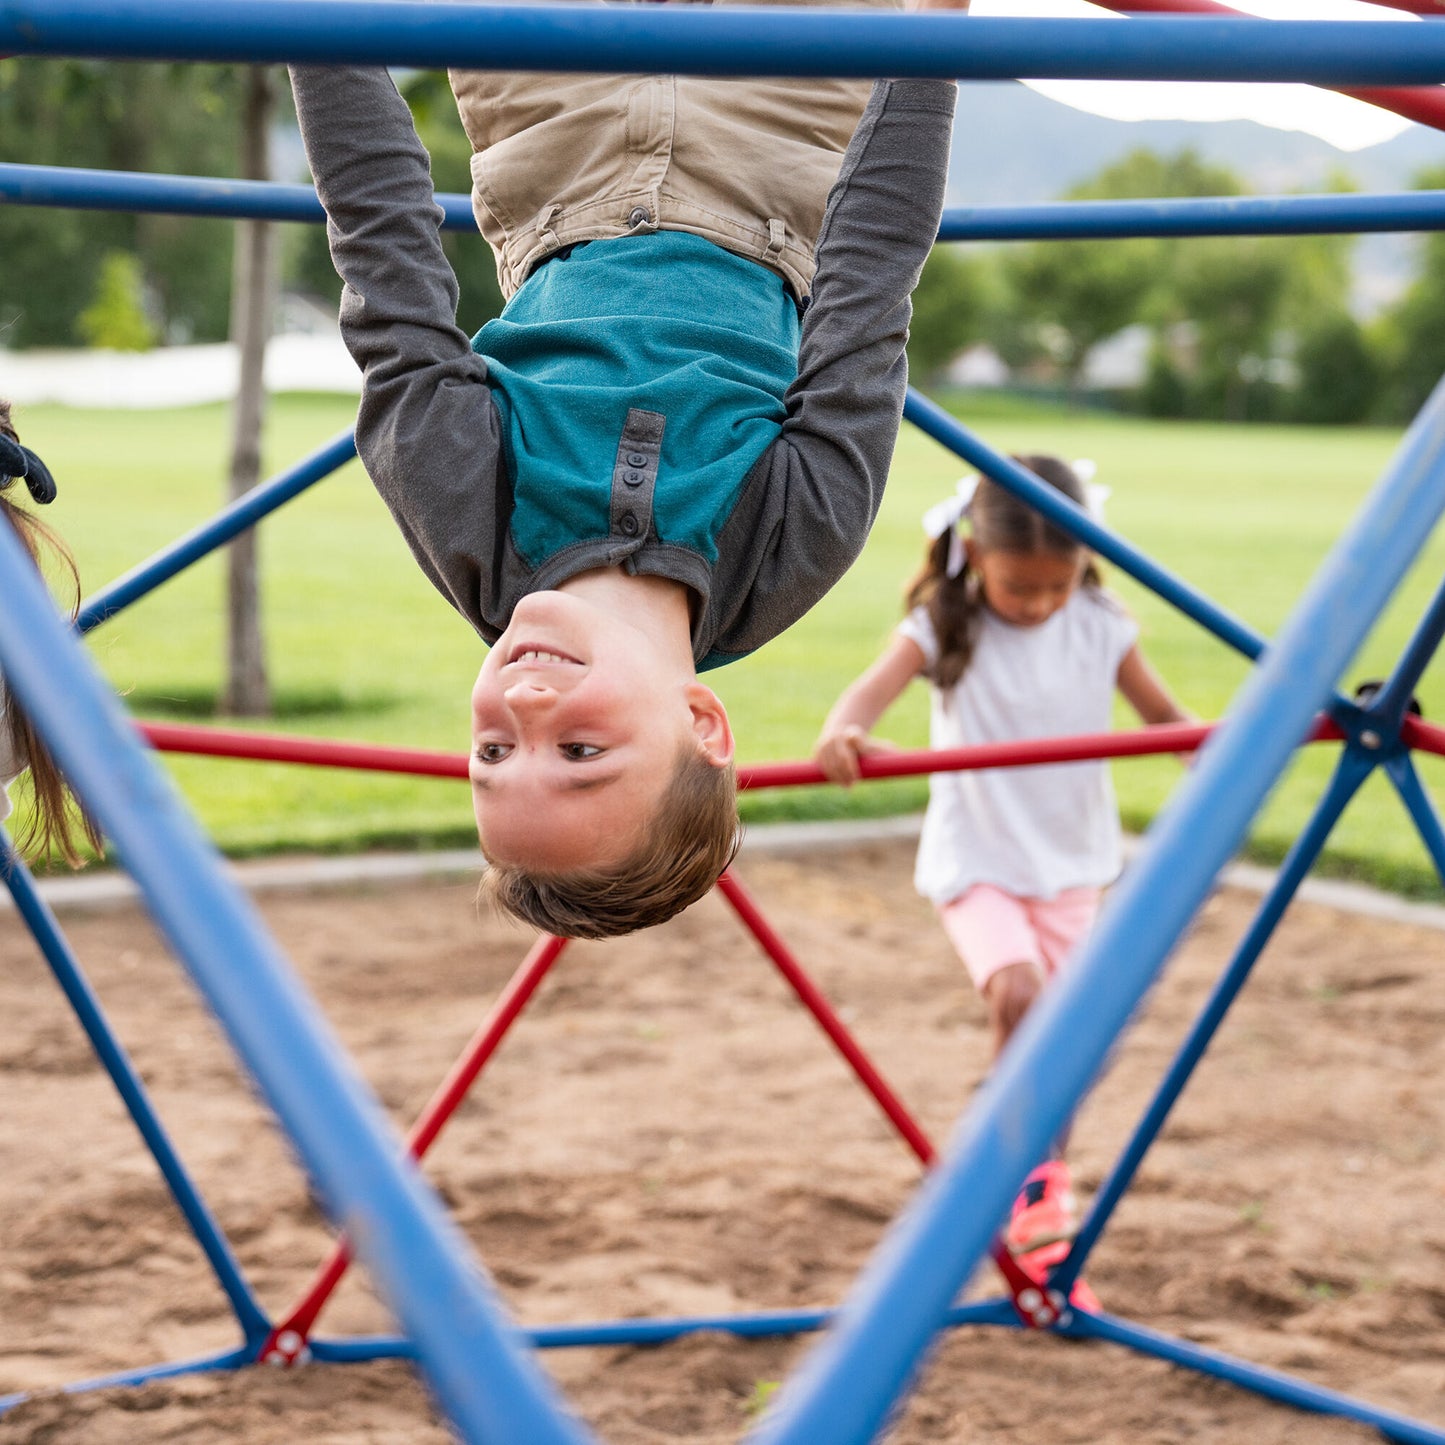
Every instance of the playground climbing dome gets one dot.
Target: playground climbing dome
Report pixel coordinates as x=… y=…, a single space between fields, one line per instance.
x=481 y=1367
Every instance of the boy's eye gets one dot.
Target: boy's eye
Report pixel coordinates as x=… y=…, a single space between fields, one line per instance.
x=493 y=752
x=576 y=752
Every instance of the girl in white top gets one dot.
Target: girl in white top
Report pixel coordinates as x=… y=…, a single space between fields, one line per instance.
x=1014 y=632
x=51 y=825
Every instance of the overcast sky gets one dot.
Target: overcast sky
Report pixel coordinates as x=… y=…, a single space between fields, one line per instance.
x=1348 y=124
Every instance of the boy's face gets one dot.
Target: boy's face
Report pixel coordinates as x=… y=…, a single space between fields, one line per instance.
x=577 y=724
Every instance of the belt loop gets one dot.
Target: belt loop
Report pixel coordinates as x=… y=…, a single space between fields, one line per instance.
x=544 y=227
x=777 y=235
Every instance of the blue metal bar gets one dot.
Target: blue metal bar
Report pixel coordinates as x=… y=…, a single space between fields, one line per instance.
x=74 y=188
x=1273 y=1384
x=931 y=418
x=848 y=1384
x=1401 y=771
x=220 y=1360
x=361 y=1347
x=1192 y=216
x=485 y=1378
x=72 y=980
x=1389 y=704
x=228 y=523
x=735 y=41
x=77 y=189
x=760 y=1324
x=1354 y=766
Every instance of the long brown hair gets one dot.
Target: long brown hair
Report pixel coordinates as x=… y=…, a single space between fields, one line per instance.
x=54 y=825
x=1001 y=523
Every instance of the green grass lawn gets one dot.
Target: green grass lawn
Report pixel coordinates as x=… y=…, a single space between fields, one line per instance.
x=361 y=647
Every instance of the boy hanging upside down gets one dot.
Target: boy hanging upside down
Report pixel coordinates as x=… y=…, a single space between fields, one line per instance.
x=668 y=447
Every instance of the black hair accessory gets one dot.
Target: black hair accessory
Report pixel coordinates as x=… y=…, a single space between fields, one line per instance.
x=1366 y=693
x=19 y=461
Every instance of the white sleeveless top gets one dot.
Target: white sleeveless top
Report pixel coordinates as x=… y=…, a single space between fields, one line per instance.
x=1032 y=831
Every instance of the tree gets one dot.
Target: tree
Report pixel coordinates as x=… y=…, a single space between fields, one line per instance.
x=949 y=308
x=113 y=116
x=253 y=302
x=1165 y=391
x=1338 y=375
x=116 y=317
x=1144 y=174
x=1413 y=330
x=1077 y=293
x=1232 y=289
x=1234 y=299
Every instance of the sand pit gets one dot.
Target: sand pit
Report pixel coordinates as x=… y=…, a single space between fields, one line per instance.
x=665 y=1132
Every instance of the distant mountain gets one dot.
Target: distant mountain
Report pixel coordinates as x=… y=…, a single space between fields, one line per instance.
x=1013 y=145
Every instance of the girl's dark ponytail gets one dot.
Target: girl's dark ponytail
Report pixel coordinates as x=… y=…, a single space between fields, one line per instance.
x=953 y=605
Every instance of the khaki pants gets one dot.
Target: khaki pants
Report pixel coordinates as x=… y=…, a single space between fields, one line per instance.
x=562 y=158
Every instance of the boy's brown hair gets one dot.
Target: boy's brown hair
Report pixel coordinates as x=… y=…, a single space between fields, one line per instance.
x=687 y=844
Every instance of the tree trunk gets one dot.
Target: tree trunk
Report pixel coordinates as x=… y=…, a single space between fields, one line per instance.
x=253 y=299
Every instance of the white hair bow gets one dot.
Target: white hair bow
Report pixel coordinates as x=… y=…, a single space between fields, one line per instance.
x=1095 y=495
x=945 y=516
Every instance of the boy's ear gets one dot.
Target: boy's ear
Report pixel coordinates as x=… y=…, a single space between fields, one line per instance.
x=710 y=724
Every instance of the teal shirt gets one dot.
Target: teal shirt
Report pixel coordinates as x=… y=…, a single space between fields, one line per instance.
x=665 y=322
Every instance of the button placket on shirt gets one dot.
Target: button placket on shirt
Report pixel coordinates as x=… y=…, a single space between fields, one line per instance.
x=634 y=474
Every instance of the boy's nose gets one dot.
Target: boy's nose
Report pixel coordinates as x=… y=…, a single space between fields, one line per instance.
x=530 y=696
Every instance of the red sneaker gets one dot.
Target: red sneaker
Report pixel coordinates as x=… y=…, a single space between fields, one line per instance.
x=1044 y=1212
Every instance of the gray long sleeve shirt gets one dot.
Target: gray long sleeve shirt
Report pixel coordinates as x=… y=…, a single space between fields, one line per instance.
x=429 y=431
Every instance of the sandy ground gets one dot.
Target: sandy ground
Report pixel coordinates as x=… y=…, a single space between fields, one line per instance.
x=665 y=1132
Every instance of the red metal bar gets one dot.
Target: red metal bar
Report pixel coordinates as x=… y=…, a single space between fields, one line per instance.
x=817 y=1005
x=1033 y=1307
x=287 y=1341
x=1161 y=738
x=319 y=752
x=288 y=748
x=1415 y=732
x=1129 y=743
x=1415 y=7
x=1423 y=103
x=322 y=752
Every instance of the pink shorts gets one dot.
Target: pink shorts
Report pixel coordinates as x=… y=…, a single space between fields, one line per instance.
x=992 y=929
